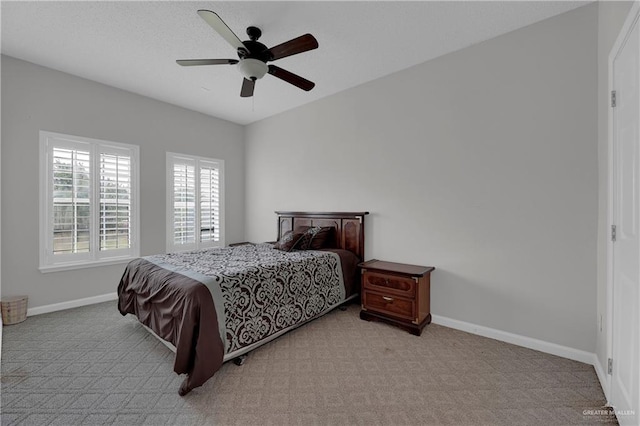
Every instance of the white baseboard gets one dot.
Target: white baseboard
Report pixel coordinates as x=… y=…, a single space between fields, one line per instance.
x=516 y=339
x=602 y=376
x=71 y=304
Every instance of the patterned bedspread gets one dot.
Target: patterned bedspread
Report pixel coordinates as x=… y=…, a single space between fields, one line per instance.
x=263 y=290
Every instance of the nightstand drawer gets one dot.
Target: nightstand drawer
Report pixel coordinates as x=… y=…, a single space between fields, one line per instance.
x=387 y=283
x=389 y=304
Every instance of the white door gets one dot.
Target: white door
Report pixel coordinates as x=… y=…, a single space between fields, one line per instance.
x=625 y=380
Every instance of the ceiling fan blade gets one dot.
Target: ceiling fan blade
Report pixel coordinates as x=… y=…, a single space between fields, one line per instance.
x=192 y=62
x=247 y=88
x=294 y=46
x=291 y=78
x=221 y=28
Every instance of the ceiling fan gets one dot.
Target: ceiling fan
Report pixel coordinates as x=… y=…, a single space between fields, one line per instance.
x=253 y=55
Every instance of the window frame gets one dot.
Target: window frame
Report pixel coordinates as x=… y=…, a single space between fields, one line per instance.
x=50 y=262
x=177 y=158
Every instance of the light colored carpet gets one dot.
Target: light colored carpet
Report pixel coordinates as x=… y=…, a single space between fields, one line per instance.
x=90 y=365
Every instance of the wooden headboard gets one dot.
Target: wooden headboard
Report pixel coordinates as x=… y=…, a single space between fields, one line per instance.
x=349 y=226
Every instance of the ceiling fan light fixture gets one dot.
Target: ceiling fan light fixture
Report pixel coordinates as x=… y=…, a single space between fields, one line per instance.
x=252 y=69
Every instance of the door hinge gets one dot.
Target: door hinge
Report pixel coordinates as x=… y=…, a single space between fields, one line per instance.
x=610 y=366
x=613 y=99
x=613 y=233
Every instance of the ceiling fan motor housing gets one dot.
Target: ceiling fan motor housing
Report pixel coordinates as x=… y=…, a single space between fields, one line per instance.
x=257 y=49
x=252 y=69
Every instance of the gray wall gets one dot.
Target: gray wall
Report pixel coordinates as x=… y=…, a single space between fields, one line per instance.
x=611 y=17
x=35 y=98
x=482 y=163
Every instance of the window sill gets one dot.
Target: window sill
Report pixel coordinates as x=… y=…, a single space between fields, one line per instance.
x=86 y=264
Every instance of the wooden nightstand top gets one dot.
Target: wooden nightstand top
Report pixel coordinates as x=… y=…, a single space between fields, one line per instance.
x=399 y=268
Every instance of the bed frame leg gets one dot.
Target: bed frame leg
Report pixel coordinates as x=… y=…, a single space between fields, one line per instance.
x=240 y=360
x=184 y=387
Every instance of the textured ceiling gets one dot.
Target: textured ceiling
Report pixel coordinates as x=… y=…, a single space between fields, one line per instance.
x=134 y=45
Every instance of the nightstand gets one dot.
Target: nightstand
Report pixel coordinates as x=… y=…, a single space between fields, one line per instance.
x=396 y=293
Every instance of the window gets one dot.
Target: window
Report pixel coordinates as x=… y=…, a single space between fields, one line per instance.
x=89 y=202
x=195 y=202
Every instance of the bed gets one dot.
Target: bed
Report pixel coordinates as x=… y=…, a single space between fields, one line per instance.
x=216 y=305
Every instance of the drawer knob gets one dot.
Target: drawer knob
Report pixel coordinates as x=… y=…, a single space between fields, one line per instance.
x=387 y=299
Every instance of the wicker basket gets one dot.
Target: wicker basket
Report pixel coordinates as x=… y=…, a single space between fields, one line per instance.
x=14 y=309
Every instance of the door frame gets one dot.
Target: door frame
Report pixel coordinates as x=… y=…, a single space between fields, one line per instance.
x=632 y=16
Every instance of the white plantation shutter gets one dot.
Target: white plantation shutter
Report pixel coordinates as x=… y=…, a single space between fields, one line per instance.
x=88 y=201
x=71 y=203
x=184 y=203
x=194 y=202
x=115 y=201
x=209 y=202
